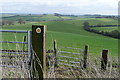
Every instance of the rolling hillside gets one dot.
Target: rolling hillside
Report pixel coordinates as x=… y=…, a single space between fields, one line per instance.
x=72 y=34
x=36 y=17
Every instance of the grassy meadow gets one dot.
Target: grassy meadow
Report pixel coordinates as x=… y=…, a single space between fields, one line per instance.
x=108 y=29
x=68 y=31
x=36 y=17
x=68 y=34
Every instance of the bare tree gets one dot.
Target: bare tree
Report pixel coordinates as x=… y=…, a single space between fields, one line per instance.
x=21 y=21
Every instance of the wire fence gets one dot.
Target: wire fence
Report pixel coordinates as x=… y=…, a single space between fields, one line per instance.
x=17 y=59
x=31 y=62
x=67 y=56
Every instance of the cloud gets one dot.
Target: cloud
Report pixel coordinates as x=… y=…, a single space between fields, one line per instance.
x=62 y=6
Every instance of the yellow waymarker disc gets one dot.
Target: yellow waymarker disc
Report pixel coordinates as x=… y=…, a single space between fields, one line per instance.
x=38 y=30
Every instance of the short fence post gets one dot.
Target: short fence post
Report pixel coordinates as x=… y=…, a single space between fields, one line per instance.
x=85 y=56
x=55 y=53
x=38 y=45
x=104 y=59
x=24 y=39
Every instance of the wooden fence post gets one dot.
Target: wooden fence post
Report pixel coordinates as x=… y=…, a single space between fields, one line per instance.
x=24 y=39
x=55 y=53
x=38 y=45
x=104 y=59
x=85 y=56
x=30 y=55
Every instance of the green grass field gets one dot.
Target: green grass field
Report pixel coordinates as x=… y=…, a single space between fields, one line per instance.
x=6 y=15
x=108 y=29
x=25 y=17
x=69 y=34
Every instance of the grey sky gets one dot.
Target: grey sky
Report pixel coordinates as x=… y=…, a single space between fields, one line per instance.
x=60 y=6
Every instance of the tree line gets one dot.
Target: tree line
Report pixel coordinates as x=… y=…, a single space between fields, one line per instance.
x=113 y=34
x=9 y=22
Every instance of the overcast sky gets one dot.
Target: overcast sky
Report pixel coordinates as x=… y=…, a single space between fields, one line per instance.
x=60 y=6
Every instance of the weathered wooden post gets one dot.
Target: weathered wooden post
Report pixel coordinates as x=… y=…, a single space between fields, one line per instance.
x=55 y=53
x=104 y=59
x=30 y=55
x=38 y=45
x=24 y=39
x=85 y=56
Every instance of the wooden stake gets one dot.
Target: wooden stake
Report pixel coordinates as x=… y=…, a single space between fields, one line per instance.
x=104 y=59
x=55 y=52
x=85 y=56
x=24 y=40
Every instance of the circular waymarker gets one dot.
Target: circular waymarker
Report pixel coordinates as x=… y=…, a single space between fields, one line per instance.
x=38 y=30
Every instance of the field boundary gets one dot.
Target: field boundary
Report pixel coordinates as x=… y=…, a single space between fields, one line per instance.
x=113 y=34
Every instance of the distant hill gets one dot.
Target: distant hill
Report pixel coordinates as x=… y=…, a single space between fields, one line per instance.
x=37 y=17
